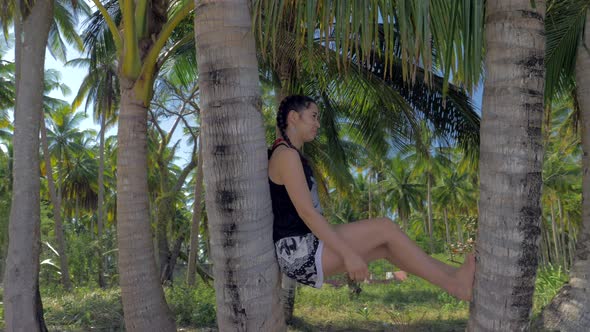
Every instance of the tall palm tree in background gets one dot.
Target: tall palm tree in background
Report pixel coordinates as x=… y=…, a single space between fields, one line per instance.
x=7 y=94
x=170 y=104
x=453 y=195
x=404 y=193
x=51 y=83
x=141 y=48
x=568 y=63
x=22 y=302
x=100 y=89
x=510 y=167
x=429 y=162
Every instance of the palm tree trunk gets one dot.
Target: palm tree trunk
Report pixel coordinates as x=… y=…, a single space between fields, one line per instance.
x=236 y=170
x=194 y=245
x=543 y=255
x=174 y=257
x=288 y=287
x=56 y=203
x=570 y=308
x=144 y=305
x=459 y=231
x=23 y=310
x=511 y=155
x=555 y=235
x=448 y=234
x=548 y=247
x=165 y=212
x=562 y=233
x=100 y=205
x=570 y=242
x=429 y=209
x=404 y=219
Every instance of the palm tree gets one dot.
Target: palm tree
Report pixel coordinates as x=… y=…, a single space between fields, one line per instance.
x=141 y=49
x=453 y=194
x=22 y=303
x=171 y=101
x=567 y=66
x=237 y=194
x=51 y=83
x=510 y=167
x=404 y=194
x=6 y=101
x=100 y=89
x=429 y=162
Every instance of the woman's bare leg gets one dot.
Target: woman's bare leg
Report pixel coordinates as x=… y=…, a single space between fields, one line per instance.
x=380 y=238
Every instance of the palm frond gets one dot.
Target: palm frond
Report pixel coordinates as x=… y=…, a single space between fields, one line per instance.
x=413 y=27
x=564 y=24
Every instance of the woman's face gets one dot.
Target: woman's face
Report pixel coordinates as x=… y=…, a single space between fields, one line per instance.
x=309 y=123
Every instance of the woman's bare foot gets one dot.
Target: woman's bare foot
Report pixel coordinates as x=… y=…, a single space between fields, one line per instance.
x=463 y=288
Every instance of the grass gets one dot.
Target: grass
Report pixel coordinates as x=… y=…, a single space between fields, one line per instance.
x=413 y=305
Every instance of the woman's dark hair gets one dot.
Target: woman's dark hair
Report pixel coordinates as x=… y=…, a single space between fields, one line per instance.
x=297 y=103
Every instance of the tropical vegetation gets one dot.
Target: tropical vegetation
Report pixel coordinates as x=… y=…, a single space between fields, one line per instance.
x=158 y=216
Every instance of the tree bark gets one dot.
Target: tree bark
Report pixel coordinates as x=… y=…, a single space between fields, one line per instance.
x=166 y=211
x=23 y=310
x=448 y=234
x=236 y=170
x=143 y=299
x=194 y=245
x=570 y=308
x=56 y=203
x=562 y=234
x=555 y=235
x=100 y=205
x=429 y=213
x=511 y=155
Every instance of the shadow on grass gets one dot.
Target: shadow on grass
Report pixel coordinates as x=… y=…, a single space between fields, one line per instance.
x=402 y=297
x=453 y=325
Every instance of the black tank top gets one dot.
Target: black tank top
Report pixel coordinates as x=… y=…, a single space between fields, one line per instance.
x=286 y=219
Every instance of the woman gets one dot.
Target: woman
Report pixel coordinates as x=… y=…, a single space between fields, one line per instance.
x=308 y=248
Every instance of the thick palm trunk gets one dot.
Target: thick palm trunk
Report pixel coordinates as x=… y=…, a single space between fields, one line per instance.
x=143 y=298
x=511 y=156
x=100 y=205
x=23 y=310
x=236 y=170
x=56 y=203
x=194 y=245
x=570 y=308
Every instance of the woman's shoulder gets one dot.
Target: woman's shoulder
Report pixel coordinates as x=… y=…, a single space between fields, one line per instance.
x=284 y=153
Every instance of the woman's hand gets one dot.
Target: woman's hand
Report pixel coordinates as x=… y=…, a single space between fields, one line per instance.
x=356 y=267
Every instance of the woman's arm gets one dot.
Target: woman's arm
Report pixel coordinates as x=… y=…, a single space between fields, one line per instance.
x=291 y=174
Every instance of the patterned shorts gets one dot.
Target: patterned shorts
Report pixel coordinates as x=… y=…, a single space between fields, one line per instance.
x=300 y=258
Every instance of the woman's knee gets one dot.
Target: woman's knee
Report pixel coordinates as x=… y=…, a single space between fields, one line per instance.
x=388 y=225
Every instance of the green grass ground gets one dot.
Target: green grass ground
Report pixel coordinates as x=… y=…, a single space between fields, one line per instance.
x=413 y=305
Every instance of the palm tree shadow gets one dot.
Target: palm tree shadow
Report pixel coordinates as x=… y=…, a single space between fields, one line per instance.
x=454 y=325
